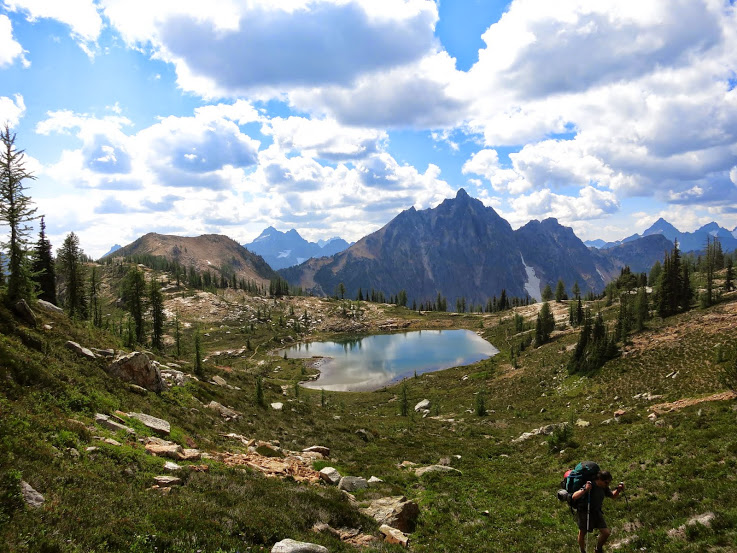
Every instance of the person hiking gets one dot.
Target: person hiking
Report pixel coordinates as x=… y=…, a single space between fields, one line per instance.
x=589 y=501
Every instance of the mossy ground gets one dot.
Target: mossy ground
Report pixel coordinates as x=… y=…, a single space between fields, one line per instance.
x=100 y=501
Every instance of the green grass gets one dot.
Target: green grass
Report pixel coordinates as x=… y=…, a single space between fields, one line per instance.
x=100 y=501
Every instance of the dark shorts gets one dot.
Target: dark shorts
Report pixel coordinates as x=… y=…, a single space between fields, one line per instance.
x=595 y=521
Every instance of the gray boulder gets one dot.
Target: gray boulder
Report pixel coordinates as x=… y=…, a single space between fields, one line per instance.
x=167 y=481
x=24 y=312
x=330 y=475
x=364 y=434
x=291 y=546
x=225 y=412
x=423 y=405
x=106 y=422
x=137 y=368
x=397 y=512
x=322 y=450
x=80 y=350
x=352 y=483
x=32 y=498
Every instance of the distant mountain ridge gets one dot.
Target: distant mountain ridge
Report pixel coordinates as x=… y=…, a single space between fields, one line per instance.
x=462 y=248
x=209 y=252
x=285 y=249
x=688 y=241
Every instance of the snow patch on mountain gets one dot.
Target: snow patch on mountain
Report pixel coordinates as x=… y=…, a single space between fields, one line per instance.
x=532 y=286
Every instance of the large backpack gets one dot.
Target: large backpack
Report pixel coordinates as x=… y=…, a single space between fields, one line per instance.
x=575 y=479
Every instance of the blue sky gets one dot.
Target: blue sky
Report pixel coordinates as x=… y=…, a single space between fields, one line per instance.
x=332 y=116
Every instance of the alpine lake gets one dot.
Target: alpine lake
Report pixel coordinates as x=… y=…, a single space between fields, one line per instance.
x=372 y=362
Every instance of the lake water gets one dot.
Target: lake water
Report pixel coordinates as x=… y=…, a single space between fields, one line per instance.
x=371 y=362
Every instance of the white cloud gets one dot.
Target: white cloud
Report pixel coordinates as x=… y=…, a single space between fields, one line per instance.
x=10 y=49
x=228 y=47
x=80 y=15
x=11 y=109
x=324 y=138
x=591 y=203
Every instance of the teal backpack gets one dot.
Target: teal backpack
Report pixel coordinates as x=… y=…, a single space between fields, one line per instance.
x=575 y=479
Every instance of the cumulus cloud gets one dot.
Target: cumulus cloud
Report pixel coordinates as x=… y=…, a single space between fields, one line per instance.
x=591 y=203
x=12 y=109
x=80 y=15
x=10 y=49
x=266 y=45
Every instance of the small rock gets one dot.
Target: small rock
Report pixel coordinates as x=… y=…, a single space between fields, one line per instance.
x=219 y=380
x=652 y=416
x=137 y=368
x=291 y=546
x=421 y=406
x=582 y=423
x=277 y=406
x=110 y=441
x=373 y=481
x=392 y=535
x=620 y=413
x=444 y=461
x=322 y=450
x=32 y=498
x=170 y=466
x=364 y=434
x=104 y=421
x=91 y=449
x=330 y=475
x=80 y=350
x=136 y=389
x=225 y=412
x=352 y=483
x=173 y=451
x=437 y=468
x=407 y=464
x=107 y=353
x=165 y=481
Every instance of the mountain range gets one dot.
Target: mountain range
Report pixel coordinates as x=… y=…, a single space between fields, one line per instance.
x=462 y=248
x=688 y=241
x=284 y=249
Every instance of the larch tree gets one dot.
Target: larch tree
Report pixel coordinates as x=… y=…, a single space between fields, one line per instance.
x=16 y=212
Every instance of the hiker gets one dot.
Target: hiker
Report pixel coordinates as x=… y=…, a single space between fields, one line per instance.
x=589 y=509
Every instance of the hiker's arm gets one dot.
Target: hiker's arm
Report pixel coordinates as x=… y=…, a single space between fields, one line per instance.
x=580 y=493
x=618 y=490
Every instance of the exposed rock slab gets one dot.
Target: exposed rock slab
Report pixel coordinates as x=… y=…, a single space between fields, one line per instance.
x=437 y=468
x=25 y=313
x=106 y=422
x=544 y=430
x=225 y=412
x=423 y=405
x=48 y=306
x=392 y=535
x=137 y=368
x=167 y=481
x=291 y=546
x=397 y=512
x=80 y=350
x=32 y=498
x=160 y=426
x=172 y=451
x=322 y=450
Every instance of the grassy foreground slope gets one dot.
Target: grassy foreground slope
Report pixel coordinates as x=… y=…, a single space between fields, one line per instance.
x=678 y=465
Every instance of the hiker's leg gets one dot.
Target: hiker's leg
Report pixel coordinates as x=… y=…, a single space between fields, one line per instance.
x=604 y=534
x=582 y=540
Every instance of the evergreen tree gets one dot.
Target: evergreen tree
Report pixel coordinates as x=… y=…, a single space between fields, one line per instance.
x=547 y=294
x=671 y=287
x=95 y=302
x=43 y=267
x=545 y=325
x=576 y=291
x=654 y=278
x=729 y=277
x=642 y=309
x=156 y=302
x=178 y=335
x=404 y=401
x=16 y=212
x=71 y=273
x=594 y=346
x=624 y=318
x=198 y=368
x=134 y=292
x=560 y=292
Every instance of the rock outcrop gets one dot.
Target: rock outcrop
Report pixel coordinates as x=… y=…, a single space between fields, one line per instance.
x=80 y=350
x=25 y=313
x=137 y=368
x=291 y=546
x=397 y=512
x=159 y=426
x=32 y=498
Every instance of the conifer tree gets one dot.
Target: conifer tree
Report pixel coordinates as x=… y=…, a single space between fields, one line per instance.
x=15 y=212
x=71 y=272
x=198 y=369
x=95 y=303
x=576 y=290
x=43 y=267
x=545 y=325
x=642 y=309
x=156 y=302
x=547 y=294
x=134 y=292
x=729 y=277
x=560 y=292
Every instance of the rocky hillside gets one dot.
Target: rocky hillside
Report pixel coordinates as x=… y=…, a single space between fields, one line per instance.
x=210 y=252
x=640 y=255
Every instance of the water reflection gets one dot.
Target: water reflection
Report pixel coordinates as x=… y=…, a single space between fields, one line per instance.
x=368 y=363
